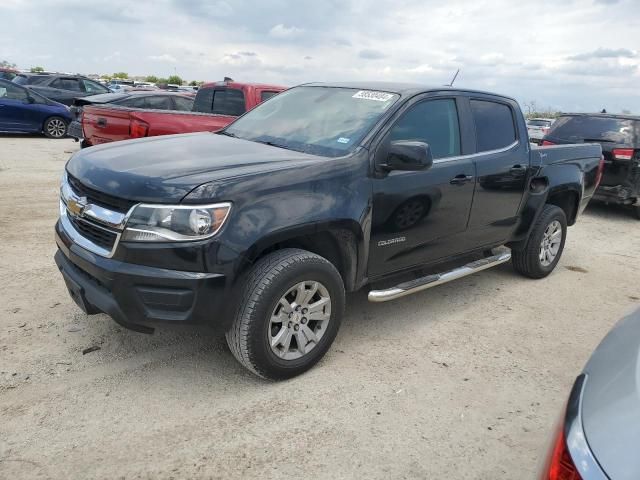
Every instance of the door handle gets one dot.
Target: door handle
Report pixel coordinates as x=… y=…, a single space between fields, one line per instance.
x=461 y=179
x=518 y=168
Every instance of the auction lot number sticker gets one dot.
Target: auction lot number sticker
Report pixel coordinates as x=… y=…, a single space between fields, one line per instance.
x=371 y=95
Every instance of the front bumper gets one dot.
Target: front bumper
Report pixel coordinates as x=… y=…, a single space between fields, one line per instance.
x=618 y=194
x=75 y=130
x=138 y=296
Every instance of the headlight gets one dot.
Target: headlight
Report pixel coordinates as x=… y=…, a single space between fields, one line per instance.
x=174 y=223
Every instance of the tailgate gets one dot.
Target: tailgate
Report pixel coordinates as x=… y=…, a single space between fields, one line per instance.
x=103 y=124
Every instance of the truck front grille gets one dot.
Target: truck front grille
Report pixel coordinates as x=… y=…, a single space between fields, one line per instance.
x=100 y=236
x=98 y=198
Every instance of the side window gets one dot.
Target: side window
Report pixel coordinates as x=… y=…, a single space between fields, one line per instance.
x=158 y=103
x=183 y=104
x=267 y=95
x=132 y=102
x=93 y=87
x=9 y=91
x=204 y=100
x=229 y=101
x=434 y=122
x=495 y=125
x=67 y=84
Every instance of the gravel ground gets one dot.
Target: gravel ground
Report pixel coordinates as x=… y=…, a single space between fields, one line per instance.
x=461 y=381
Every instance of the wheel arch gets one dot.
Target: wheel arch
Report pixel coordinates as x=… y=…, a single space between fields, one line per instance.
x=340 y=242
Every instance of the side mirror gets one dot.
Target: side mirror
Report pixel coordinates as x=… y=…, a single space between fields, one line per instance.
x=408 y=155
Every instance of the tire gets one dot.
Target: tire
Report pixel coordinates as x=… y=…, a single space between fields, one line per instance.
x=55 y=127
x=637 y=211
x=268 y=293
x=528 y=261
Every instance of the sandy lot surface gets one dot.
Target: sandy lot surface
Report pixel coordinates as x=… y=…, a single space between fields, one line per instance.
x=461 y=381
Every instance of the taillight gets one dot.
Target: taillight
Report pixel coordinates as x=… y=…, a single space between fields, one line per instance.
x=138 y=129
x=623 y=153
x=546 y=143
x=559 y=465
x=600 y=170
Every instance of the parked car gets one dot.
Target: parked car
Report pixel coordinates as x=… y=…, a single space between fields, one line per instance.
x=619 y=136
x=60 y=88
x=260 y=229
x=23 y=110
x=598 y=435
x=120 y=85
x=7 y=73
x=215 y=106
x=538 y=128
x=150 y=100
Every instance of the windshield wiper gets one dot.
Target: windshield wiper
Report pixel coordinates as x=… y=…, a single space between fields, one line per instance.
x=228 y=134
x=273 y=144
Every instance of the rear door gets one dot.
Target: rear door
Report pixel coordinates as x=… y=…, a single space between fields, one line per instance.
x=64 y=90
x=15 y=111
x=502 y=163
x=420 y=216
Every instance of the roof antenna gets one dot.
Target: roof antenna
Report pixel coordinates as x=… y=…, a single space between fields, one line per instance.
x=453 y=79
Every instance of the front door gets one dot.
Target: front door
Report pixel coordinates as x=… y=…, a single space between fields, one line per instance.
x=419 y=216
x=13 y=107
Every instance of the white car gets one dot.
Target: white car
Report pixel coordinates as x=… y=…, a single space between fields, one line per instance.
x=538 y=128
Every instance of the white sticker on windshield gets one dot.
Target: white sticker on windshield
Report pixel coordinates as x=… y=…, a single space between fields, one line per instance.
x=343 y=140
x=371 y=95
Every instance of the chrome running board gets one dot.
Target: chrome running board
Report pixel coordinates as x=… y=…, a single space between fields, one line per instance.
x=503 y=255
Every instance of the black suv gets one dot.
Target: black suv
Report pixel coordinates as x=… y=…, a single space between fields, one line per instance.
x=619 y=136
x=60 y=87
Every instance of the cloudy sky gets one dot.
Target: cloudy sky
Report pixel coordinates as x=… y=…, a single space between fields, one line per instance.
x=564 y=54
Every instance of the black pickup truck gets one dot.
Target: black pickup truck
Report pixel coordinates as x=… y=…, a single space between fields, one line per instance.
x=260 y=229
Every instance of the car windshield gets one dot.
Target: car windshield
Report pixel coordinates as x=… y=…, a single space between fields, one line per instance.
x=324 y=121
x=578 y=128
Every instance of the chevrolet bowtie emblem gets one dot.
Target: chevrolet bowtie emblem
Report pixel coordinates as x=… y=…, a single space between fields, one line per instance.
x=76 y=207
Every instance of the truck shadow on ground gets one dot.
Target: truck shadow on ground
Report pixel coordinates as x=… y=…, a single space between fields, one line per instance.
x=173 y=351
x=600 y=210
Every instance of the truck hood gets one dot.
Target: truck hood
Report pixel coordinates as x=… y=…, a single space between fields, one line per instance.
x=165 y=169
x=611 y=400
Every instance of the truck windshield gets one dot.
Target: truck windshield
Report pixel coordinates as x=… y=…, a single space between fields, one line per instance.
x=324 y=121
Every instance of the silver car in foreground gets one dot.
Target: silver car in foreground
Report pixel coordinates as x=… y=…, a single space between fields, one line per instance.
x=599 y=438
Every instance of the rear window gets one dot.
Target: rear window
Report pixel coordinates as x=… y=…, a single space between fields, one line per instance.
x=495 y=127
x=227 y=101
x=539 y=123
x=580 y=128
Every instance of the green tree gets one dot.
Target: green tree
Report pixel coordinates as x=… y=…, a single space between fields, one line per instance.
x=37 y=69
x=193 y=83
x=123 y=75
x=7 y=64
x=151 y=78
x=162 y=81
x=174 y=79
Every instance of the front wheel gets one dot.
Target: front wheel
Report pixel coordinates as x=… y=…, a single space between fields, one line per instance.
x=55 y=127
x=544 y=246
x=291 y=306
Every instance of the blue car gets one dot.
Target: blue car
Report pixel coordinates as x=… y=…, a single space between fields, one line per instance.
x=23 y=110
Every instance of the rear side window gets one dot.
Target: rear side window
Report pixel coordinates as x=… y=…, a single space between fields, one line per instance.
x=227 y=101
x=12 y=92
x=267 y=95
x=67 y=84
x=434 y=122
x=158 y=103
x=183 y=104
x=580 y=128
x=132 y=102
x=539 y=123
x=495 y=126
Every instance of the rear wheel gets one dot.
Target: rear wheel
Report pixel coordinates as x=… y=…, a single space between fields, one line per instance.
x=544 y=246
x=55 y=127
x=290 y=309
